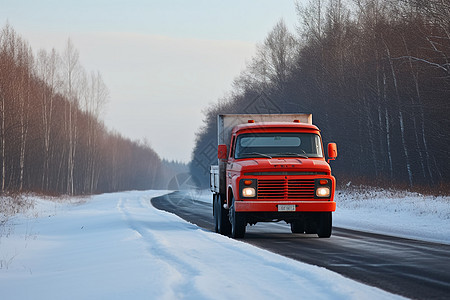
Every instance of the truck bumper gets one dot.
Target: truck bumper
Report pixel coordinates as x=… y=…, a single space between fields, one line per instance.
x=300 y=206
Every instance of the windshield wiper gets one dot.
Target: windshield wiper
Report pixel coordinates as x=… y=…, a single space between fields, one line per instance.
x=257 y=153
x=293 y=154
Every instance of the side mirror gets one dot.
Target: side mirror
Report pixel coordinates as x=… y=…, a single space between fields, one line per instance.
x=332 y=152
x=222 y=152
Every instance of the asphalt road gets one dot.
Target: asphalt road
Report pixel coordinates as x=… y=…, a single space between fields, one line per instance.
x=414 y=269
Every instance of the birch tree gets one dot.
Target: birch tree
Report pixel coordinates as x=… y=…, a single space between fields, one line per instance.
x=71 y=71
x=23 y=96
x=47 y=66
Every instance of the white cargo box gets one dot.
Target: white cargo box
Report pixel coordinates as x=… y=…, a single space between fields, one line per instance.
x=226 y=123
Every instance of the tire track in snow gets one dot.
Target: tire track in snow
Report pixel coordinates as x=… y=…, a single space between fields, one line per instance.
x=191 y=271
x=181 y=274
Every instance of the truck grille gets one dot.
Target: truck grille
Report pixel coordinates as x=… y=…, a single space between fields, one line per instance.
x=285 y=189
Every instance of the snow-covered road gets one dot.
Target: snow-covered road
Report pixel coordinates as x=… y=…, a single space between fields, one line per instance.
x=117 y=246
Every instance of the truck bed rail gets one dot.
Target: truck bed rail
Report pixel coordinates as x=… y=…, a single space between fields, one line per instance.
x=214 y=179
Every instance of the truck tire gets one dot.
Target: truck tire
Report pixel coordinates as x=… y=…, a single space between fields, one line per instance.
x=298 y=226
x=324 y=225
x=216 y=226
x=238 y=222
x=222 y=223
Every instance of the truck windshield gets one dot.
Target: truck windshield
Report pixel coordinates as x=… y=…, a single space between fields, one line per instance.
x=267 y=144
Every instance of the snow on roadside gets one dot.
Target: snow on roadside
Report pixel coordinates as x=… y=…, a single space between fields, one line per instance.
x=395 y=213
x=117 y=246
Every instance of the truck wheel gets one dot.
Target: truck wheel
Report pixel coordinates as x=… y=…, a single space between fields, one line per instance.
x=216 y=227
x=222 y=224
x=324 y=225
x=298 y=226
x=238 y=222
x=311 y=223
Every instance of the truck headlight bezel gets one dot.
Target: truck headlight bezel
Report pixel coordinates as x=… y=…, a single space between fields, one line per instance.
x=322 y=188
x=248 y=188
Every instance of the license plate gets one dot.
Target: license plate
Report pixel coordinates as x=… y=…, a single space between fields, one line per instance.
x=286 y=207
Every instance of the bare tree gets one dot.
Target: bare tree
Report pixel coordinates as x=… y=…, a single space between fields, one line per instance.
x=95 y=97
x=47 y=66
x=71 y=71
x=273 y=62
x=23 y=92
x=312 y=16
x=3 y=57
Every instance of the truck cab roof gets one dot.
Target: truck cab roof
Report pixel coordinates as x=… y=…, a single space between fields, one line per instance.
x=274 y=126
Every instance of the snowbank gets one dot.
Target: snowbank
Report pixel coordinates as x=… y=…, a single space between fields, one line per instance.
x=401 y=214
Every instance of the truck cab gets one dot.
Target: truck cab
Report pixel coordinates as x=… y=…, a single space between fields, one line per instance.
x=272 y=170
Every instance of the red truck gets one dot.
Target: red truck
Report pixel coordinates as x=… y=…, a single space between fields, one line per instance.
x=271 y=167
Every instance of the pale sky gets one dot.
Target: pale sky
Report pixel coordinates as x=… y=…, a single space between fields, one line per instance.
x=162 y=61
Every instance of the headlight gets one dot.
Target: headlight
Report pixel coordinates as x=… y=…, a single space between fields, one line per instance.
x=248 y=192
x=323 y=188
x=323 y=192
x=248 y=188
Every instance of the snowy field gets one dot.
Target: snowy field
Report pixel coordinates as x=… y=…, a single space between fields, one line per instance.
x=117 y=246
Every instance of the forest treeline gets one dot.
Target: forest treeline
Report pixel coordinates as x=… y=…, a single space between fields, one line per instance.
x=375 y=74
x=52 y=139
